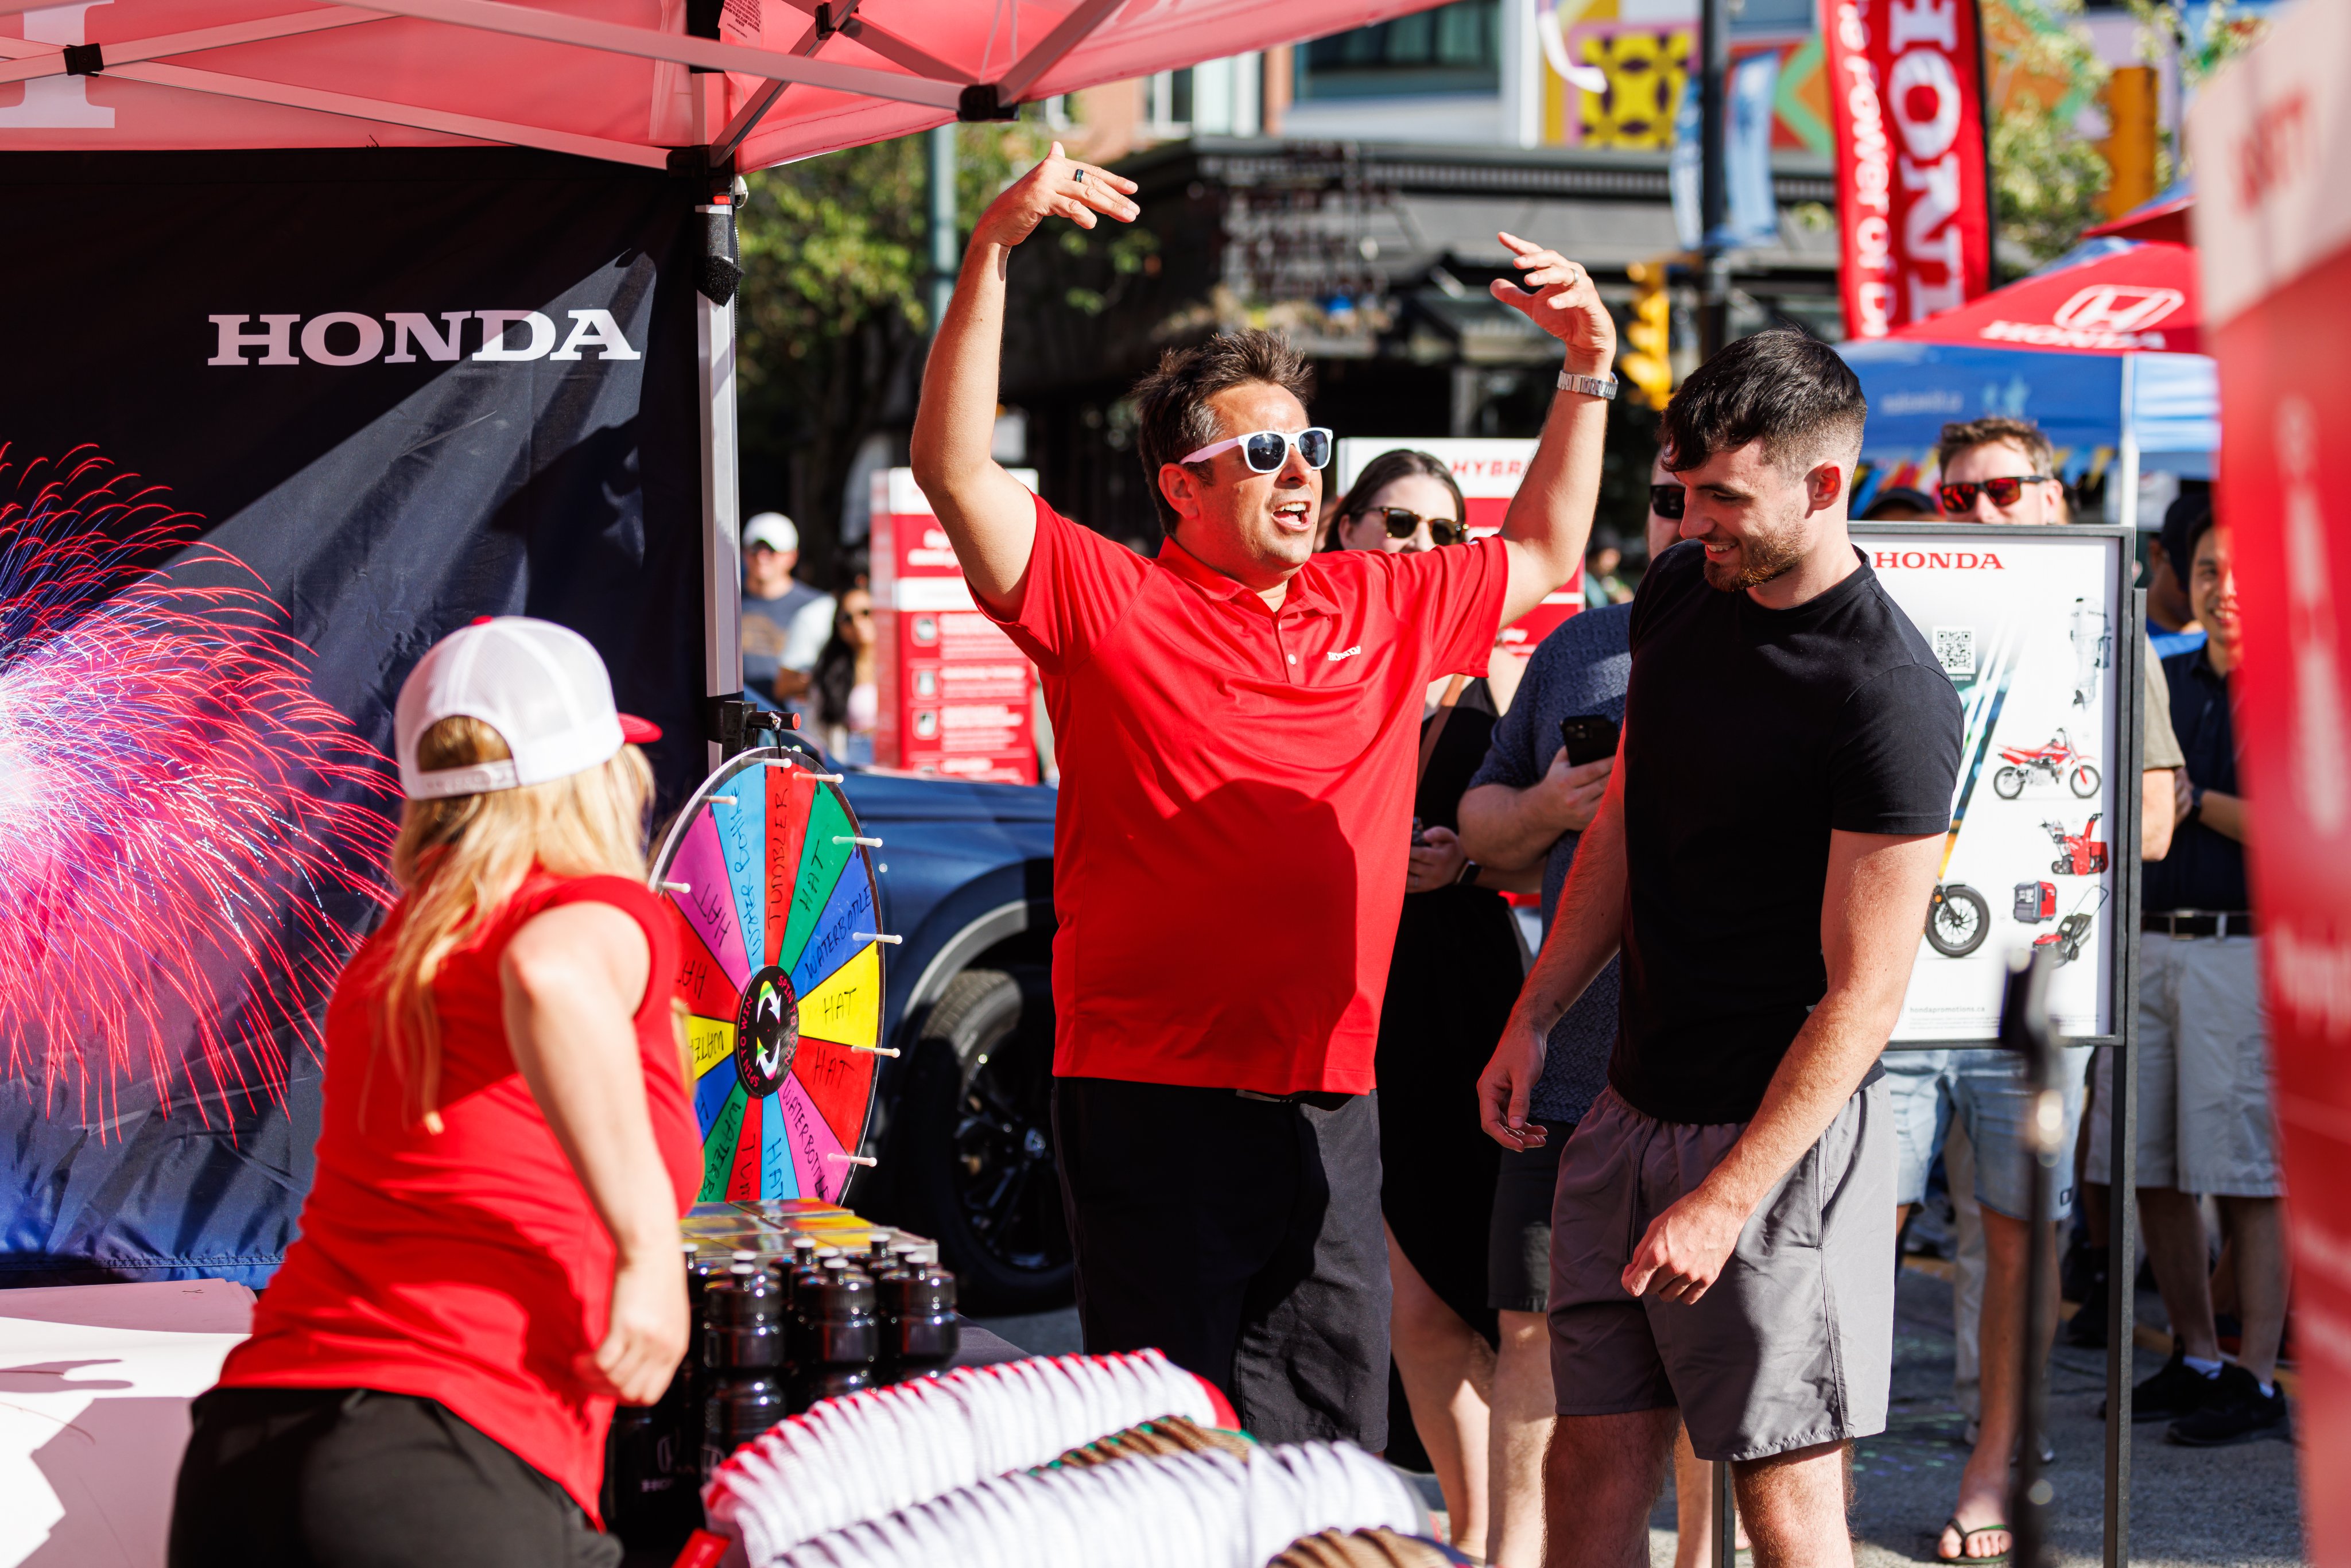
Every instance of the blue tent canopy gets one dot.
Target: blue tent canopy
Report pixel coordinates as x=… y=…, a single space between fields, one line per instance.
x=2173 y=417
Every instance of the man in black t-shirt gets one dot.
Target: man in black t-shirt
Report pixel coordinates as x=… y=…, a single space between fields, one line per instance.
x=1722 y=1240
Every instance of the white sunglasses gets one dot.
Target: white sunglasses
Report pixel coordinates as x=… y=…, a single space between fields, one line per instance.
x=1266 y=450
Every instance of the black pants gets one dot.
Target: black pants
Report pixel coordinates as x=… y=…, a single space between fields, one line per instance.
x=1242 y=1237
x=349 y=1478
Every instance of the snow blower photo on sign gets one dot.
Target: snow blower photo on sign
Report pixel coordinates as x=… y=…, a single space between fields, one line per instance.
x=2027 y=623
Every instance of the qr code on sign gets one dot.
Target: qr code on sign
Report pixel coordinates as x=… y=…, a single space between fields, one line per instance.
x=1955 y=649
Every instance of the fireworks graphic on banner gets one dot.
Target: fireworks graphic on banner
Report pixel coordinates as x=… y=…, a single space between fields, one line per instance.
x=178 y=813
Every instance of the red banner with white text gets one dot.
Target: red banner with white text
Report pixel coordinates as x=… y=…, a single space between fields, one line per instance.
x=2271 y=137
x=1913 y=220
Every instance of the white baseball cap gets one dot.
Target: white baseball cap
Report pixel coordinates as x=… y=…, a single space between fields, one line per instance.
x=773 y=529
x=542 y=686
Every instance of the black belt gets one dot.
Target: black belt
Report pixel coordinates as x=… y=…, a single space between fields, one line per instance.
x=2198 y=923
x=1321 y=1099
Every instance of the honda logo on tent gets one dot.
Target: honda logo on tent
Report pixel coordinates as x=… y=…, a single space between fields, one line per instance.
x=2117 y=308
x=348 y=337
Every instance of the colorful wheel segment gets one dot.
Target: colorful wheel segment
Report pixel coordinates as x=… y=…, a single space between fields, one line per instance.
x=780 y=974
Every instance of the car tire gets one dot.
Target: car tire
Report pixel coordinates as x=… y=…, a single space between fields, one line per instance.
x=977 y=1155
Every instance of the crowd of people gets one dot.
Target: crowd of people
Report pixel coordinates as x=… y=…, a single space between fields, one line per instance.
x=1694 y=1041
x=1626 y=1202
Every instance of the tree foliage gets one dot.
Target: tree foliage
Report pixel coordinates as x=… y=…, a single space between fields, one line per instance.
x=2047 y=178
x=832 y=311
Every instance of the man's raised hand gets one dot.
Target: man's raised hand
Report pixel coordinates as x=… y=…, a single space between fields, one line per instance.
x=1563 y=303
x=1057 y=186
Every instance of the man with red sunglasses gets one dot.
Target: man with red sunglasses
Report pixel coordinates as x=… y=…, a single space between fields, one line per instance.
x=1239 y=721
x=2001 y=470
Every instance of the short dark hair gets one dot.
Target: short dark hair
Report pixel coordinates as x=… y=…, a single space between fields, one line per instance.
x=1171 y=403
x=1967 y=435
x=1783 y=387
x=2185 y=522
x=1387 y=468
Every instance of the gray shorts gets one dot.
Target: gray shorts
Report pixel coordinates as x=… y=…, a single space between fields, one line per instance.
x=1986 y=1092
x=1792 y=1347
x=2205 y=1118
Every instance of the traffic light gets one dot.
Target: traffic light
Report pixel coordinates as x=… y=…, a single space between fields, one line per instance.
x=1647 y=359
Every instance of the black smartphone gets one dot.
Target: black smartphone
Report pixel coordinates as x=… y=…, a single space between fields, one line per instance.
x=1588 y=737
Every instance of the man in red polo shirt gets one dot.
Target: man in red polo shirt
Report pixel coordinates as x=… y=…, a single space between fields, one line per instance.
x=1236 y=723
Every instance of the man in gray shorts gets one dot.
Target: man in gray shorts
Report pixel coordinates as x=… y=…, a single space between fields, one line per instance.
x=1722 y=1239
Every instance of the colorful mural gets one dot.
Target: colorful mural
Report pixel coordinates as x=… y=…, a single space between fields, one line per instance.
x=1614 y=72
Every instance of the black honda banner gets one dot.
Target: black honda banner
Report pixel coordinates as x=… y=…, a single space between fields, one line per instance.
x=270 y=424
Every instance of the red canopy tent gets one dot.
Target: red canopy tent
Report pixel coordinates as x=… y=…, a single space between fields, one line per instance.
x=2165 y=219
x=603 y=79
x=2140 y=298
x=707 y=87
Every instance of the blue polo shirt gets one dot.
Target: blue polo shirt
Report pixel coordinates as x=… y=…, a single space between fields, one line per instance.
x=2204 y=870
x=1581 y=668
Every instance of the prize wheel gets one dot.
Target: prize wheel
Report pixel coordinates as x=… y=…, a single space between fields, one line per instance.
x=780 y=975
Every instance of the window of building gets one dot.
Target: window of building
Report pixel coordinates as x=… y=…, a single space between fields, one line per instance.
x=1167 y=103
x=1454 y=49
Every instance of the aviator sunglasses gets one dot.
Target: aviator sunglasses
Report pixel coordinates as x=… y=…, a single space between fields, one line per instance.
x=1961 y=496
x=1402 y=521
x=1266 y=451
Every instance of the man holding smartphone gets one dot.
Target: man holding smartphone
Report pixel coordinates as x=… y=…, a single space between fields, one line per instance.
x=1528 y=805
x=1238 y=722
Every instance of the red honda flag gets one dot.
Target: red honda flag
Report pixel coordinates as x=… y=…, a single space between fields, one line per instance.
x=1914 y=223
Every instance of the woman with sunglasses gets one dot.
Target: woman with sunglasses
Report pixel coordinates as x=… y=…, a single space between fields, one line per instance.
x=1404 y=502
x=1450 y=983
x=842 y=682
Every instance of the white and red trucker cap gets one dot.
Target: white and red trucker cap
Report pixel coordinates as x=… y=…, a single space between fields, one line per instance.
x=542 y=686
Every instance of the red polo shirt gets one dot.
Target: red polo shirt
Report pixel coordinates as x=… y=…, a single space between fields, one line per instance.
x=1230 y=851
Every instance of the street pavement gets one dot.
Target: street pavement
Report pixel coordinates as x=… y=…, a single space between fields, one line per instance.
x=2236 y=1507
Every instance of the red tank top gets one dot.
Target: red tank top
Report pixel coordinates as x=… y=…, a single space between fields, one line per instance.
x=465 y=1266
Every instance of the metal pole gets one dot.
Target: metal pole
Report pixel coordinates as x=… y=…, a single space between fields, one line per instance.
x=2127 y=451
x=2024 y=1028
x=2122 y=1151
x=943 y=234
x=1714 y=190
x=714 y=335
x=1726 y=1517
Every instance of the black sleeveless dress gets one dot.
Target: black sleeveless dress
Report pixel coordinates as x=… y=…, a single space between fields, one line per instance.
x=1451 y=984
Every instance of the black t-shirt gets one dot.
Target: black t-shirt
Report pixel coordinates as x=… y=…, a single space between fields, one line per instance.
x=1750 y=734
x=2205 y=869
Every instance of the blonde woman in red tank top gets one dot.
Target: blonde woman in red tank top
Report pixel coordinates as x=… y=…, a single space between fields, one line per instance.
x=489 y=1251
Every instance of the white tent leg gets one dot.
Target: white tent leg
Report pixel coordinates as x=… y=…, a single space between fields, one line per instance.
x=722 y=572
x=2126 y=452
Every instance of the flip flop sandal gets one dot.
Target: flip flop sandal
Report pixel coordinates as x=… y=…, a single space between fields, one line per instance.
x=1935 y=1545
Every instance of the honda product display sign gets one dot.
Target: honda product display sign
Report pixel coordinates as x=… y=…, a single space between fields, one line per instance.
x=1489 y=471
x=955 y=694
x=1912 y=211
x=2272 y=140
x=2035 y=627
x=273 y=423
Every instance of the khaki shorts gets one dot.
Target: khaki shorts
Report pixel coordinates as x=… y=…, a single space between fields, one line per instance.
x=1794 y=1345
x=2205 y=1122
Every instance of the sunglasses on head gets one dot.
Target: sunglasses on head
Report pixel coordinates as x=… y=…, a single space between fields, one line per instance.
x=2005 y=492
x=1402 y=522
x=1666 y=500
x=1266 y=451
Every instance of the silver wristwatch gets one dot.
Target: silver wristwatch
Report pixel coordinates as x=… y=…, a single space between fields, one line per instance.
x=1603 y=387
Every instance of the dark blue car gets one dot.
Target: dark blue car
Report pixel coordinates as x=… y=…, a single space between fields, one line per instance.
x=961 y=1123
